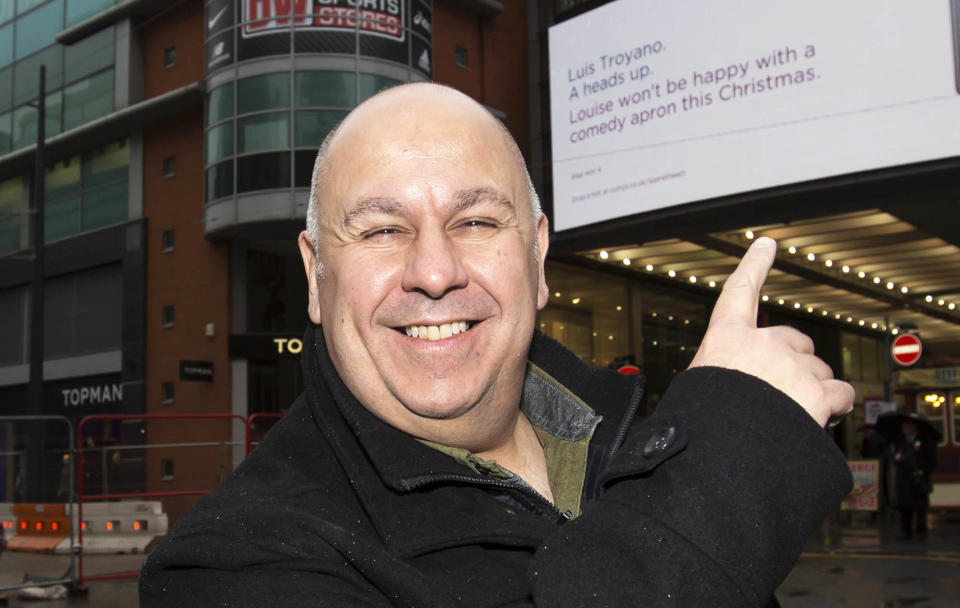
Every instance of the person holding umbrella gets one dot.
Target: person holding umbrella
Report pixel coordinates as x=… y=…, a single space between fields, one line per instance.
x=914 y=456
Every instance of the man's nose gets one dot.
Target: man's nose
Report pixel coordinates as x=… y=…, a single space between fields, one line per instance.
x=433 y=266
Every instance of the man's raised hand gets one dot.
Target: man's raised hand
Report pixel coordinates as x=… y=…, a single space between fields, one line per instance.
x=780 y=355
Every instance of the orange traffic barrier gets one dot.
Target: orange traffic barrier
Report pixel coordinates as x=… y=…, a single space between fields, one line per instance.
x=40 y=527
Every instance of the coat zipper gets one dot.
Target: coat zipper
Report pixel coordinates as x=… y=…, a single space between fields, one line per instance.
x=627 y=421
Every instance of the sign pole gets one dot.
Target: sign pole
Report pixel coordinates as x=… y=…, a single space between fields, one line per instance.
x=35 y=466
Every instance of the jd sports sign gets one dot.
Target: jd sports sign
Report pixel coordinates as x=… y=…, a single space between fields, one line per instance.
x=395 y=30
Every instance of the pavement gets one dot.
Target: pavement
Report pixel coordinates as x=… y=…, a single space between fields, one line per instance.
x=853 y=560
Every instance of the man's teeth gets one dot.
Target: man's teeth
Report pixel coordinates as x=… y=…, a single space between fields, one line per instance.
x=436 y=332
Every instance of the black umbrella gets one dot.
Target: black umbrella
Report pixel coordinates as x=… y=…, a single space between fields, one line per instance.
x=888 y=424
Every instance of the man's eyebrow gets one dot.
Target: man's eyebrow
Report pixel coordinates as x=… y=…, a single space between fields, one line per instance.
x=468 y=198
x=372 y=206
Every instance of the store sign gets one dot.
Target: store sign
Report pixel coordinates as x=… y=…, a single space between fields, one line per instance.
x=866 y=486
x=378 y=17
x=930 y=377
x=98 y=394
x=199 y=371
x=372 y=28
x=265 y=346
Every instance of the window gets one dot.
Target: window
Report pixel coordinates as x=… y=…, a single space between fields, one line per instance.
x=166 y=393
x=266 y=92
x=83 y=312
x=955 y=415
x=78 y=10
x=220 y=142
x=167 y=317
x=263 y=171
x=88 y=192
x=934 y=405
x=270 y=131
x=169 y=57
x=167 y=241
x=325 y=89
x=92 y=54
x=169 y=166
x=38 y=29
x=460 y=57
x=13 y=326
x=166 y=470
x=11 y=201
x=87 y=100
x=220 y=104
x=220 y=180
x=314 y=125
x=25 y=122
x=6 y=44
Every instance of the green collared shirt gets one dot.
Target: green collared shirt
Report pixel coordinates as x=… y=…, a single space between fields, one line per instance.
x=564 y=425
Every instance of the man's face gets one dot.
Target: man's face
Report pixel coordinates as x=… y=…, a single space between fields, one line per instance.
x=431 y=282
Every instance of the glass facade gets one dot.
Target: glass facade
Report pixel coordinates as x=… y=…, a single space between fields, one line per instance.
x=250 y=149
x=87 y=192
x=11 y=201
x=79 y=78
x=610 y=322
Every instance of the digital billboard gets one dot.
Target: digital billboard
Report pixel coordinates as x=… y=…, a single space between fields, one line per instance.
x=656 y=103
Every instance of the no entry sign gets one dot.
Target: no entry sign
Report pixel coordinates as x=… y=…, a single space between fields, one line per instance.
x=906 y=349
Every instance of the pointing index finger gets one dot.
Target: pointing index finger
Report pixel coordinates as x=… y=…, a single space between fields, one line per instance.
x=737 y=303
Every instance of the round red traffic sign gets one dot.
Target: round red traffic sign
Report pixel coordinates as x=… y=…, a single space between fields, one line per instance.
x=906 y=349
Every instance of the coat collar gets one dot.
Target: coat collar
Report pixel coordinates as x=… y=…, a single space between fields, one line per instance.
x=404 y=464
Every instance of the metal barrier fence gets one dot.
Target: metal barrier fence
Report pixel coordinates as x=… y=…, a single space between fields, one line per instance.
x=104 y=463
x=24 y=450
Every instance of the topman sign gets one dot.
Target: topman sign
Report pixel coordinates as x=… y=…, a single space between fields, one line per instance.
x=106 y=394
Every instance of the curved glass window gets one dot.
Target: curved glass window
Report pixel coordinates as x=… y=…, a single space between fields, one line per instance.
x=325 y=89
x=263 y=109
x=369 y=85
x=270 y=131
x=220 y=104
x=220 y=180
x=265 y=92
x=219 y=142
x=314 y=125
x=263 y=171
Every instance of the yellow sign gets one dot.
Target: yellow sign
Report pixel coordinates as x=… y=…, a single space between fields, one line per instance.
x=866 y=486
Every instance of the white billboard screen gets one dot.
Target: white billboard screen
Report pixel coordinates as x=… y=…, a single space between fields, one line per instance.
x=657 y=103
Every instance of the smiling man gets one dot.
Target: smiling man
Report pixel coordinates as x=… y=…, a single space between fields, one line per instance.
x=445 y=453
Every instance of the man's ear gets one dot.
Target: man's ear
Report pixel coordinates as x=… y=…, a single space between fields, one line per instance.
x=310 y=267
x=543 y=240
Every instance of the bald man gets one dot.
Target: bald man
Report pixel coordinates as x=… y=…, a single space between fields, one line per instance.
x=445 y=453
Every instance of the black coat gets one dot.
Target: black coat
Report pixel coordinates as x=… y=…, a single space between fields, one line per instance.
x=913 y=462
x=705 y=503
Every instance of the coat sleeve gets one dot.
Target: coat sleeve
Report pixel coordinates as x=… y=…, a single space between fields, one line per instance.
x=268 y=555
x=708 y=502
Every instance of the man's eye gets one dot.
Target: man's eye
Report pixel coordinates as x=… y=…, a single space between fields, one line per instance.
x=478 y=223
x=380 y=232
